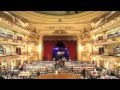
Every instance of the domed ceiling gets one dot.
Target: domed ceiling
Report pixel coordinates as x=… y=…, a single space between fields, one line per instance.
x=62 y=22
x=59 y=12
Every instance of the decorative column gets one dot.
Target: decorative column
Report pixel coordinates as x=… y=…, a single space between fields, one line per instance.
x=12 y=64
x=40 y=48
x=107 y=65
x=79 y=49
x=98 y=63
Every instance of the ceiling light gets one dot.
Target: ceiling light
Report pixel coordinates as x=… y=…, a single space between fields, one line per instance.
x=113 y=11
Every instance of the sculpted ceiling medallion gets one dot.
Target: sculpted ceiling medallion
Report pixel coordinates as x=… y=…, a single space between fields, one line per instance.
x=60 y=32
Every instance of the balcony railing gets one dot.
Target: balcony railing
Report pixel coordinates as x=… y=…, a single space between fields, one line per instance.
x=106 y=57
x=15 y=54
x=12 y=41
x=108 y=40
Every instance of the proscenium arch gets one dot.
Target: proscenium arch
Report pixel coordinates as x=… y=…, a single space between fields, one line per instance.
x=49 y=34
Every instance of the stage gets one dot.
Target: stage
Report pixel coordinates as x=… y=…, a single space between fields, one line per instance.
x=59 y=76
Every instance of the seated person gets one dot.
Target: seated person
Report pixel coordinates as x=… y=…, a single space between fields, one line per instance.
x=69 y=59
x=53 y=59
x=59 y=60
x=63 y=59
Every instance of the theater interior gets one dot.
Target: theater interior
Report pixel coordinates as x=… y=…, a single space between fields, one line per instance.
x=59 y=44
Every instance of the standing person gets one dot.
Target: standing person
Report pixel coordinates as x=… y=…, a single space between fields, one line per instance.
x=83 y=72
x=38 y=73
x=21 y=68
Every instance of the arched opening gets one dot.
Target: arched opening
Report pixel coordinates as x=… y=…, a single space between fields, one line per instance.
x=1 y=50
x=68 y=44
x=60 y=51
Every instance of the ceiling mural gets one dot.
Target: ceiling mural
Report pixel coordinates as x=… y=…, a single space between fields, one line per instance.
x=59 y=12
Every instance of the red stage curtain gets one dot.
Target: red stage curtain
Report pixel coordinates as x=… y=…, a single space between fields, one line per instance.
x=71 y=45
x=49 y=45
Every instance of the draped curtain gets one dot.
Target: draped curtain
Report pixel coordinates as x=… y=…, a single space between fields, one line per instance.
x=71 y=45
x=49 y=45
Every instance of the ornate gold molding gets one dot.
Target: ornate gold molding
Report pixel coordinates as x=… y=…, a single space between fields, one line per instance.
x=107 y=26
x=35 y=17
x=60 y=32
x=11 y=26
x=59 y=27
